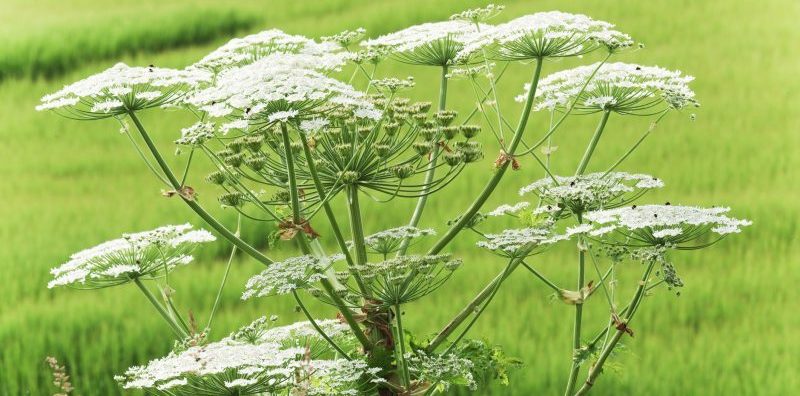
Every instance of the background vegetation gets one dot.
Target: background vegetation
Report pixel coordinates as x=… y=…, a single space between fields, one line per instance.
x=66 y=185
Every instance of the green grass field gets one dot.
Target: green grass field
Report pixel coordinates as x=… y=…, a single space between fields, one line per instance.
x=67 y=185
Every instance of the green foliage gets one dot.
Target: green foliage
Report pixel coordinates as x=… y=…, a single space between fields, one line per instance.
x=66 y=186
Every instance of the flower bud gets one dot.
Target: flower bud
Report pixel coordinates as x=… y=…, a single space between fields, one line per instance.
x=217 y=177
x=450 y=132
x=445 y=117
x=364 y=131
x=256 y=163
x=236 y=145
x=348 y=177
x=470 y=131
x=422 y=107
x=234 y=199
x=453 y=158
x=254 y=142
x=381 y=149
x=234 y=160
x=422 y=148
x=343 y=149
x=296 y=147
x=403 y=171
x=391 y=128
x=429 y=133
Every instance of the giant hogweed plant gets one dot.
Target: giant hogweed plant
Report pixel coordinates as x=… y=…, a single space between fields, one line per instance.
x=287 y=138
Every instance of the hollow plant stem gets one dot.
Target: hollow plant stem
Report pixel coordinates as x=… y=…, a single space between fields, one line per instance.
x=337 y=232
x=431 y=171
x=597 y=368
x=576 y=329
x=401 y=342
x=587 y=155
x=471 y=306
x=161 y=310
x=487 y=191
x=208 y=218
x=301 y=239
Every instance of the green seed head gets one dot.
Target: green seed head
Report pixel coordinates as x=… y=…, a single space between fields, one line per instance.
x=403 y=171
x=470 y=131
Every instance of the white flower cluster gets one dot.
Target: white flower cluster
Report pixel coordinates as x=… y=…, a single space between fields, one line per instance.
x=248 y=49
x=121 y=88
x=664 y=224
x=346 y=37
x=134 y=255
x=621 y=87
x=592 y=191
x=435 y=43
x=285 y=276
x=196 y=134
x=273 y=85
x=424 y=34
x=250 y=362
x=520 y=242
x=386 y=241
x=506 y=209
x=476 y=15
x=545 y=34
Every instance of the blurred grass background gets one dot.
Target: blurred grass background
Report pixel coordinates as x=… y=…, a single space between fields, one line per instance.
x=67 y=185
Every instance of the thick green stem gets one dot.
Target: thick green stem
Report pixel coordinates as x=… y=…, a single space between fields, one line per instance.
x=210 y=220
x=476 y=205
x=576 y=330
x=356 y=226
x=510 y=267
x=597 y=368
x=471 y=306
x=401 y=342
x=431 y=171
x=301 y=239
x=161 y=310
x=323 y=196
x=294 y=195
x=587 y=155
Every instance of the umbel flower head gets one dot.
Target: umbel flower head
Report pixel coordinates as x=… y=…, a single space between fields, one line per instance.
x=285 y=276
x=681 y=227
x=583 y=193
x=551 y=34
x=522 y=242
x=433 y=44
x=143 y=254
x=248 y=49
x=251 y=361
x=388 y=241
x=121 y=89
x=619 y=87
x=402 y=279
x=275 y=89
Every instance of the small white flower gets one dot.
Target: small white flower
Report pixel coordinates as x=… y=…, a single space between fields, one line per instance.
x=283 y=116
x=313 y=125
x=196 y=134
x=509 y=209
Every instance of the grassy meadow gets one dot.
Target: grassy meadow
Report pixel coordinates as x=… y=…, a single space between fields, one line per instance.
x=66 y=185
